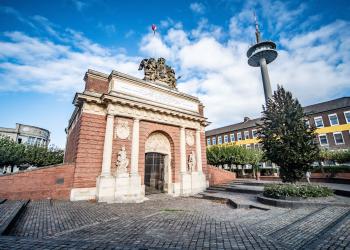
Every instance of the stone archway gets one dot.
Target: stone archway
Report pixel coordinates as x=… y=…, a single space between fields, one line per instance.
x=157 y=142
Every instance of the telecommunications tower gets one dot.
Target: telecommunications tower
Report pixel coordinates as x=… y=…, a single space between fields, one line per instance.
x=261 y=54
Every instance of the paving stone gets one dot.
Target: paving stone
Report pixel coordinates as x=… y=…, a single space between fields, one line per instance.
x=165 y=222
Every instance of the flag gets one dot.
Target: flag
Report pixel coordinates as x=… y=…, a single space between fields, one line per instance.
x=154 y=28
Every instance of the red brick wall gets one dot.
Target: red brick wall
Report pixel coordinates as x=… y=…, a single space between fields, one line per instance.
x=72 y=140
x=90 y=150
x=40 y=183
x=219 y=176
x=96 y=84
x=173 y=134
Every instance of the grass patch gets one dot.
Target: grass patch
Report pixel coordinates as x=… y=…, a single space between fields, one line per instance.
x=285 y=191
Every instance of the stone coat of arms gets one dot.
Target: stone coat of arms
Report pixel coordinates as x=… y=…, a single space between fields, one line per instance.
x=122 y=130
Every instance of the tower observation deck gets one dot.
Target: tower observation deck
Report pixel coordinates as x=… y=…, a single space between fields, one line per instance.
x=261 y=54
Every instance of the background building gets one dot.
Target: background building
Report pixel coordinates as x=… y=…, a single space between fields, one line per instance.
x=27 y=134
x=331 y=118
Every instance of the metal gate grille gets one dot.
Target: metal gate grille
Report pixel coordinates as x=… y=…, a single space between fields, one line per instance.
x=154 y=173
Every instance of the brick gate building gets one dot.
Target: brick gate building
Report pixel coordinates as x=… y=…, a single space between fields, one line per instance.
x=128 y=135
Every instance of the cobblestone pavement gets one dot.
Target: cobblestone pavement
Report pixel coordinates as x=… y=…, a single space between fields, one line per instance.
x=176 y=223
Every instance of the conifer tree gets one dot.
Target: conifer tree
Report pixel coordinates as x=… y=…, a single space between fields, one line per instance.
x=287 y=140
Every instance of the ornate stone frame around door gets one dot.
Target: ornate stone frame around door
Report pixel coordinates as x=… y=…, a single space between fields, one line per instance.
x=158 y=142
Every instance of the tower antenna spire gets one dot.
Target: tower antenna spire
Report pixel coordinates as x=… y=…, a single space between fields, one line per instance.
x=257 y=31
x=261 y=54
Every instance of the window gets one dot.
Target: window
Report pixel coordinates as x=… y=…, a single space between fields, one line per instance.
x=347 y=116
x=208 y=141
x=19 y=140
x=246 y=135
x=338 y=138
x=319 y=122
x=219 y=140
x=323 y=139
x=254 y=133
x=307 y=123
x=239 y=136
x=333 y=119
x=214 y=140
x=31 y=140
x=232 y=137
x=226 y=138
x=38 y=141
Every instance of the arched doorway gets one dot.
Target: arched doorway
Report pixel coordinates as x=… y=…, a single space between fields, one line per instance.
x=157 y=176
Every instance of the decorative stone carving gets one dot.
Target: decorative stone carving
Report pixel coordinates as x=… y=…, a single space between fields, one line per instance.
x=158 y=70
x=189 y=138
x=122 y=161
x=122 y=130
x=159 y=143
x=191 y=162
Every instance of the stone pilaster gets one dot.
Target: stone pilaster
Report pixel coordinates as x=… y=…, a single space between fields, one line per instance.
x=198 y=151
x=105 y=182
x=135 y=147
x=107 y=148
x=186 y=181
x=182 y=150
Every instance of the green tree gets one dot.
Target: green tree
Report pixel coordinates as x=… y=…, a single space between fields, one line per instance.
x=286 y=139
x=12 y=153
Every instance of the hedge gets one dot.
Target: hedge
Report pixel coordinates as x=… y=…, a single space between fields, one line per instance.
x=284 y=191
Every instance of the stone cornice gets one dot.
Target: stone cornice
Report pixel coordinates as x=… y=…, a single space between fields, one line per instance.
x=118 y=105
x=95 y=74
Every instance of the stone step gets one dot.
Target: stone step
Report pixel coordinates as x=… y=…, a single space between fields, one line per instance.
x=9 y=212
x=272 y=225
x=335 y=236
x=302 y=231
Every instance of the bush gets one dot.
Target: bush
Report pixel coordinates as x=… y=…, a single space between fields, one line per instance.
x=233 y=154
x=339 y=156
x=332 y=169
x=283 y=191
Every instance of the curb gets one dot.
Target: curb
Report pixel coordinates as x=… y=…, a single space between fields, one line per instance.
x=6 y=226
x=295 y=204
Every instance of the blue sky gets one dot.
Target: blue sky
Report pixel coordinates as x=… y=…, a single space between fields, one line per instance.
x=46 y=47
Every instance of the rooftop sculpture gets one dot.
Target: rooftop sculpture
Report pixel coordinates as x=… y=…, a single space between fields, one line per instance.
x=157 y=70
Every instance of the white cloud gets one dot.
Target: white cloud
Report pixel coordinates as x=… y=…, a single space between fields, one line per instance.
x=33 y=64
x=154 y=46
x=79 y=4
x=313 y=64
x=217 y=71
x=198 y=8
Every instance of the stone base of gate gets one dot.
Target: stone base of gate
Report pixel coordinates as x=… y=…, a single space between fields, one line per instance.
x=186 y=184
x=105 y=186
x=199 y=183
x=128 y=189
